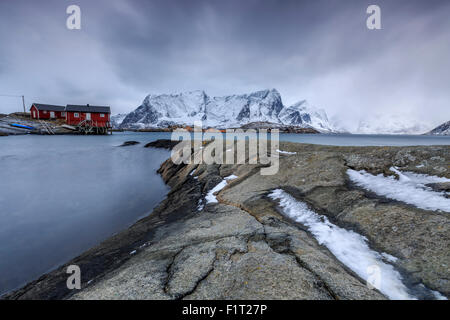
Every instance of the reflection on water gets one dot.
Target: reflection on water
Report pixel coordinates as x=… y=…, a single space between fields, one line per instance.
x=61 y=195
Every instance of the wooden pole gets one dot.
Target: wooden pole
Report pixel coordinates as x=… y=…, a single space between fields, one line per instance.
x=23 y=102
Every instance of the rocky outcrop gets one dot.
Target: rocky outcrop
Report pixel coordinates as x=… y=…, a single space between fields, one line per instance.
x=226 y=252
x=244 y=247
x=162 y=143
x=129 y=143
x=37 y=125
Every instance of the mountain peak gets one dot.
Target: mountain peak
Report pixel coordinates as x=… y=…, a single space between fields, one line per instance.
x=223 y=112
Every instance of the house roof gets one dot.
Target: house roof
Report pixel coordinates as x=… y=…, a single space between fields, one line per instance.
x=48 y=107
x=87 y=108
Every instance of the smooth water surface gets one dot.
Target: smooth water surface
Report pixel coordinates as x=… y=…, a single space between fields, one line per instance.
x=61 y=195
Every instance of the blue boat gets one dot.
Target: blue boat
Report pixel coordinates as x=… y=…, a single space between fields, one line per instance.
x=22 y=126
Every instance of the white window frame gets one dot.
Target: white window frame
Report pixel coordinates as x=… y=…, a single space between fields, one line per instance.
x=76 y=115
x=102 y=115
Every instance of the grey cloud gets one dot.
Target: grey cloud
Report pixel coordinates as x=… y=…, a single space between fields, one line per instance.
x=318 y=50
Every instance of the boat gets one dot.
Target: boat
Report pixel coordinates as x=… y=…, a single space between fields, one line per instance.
x=22 y=126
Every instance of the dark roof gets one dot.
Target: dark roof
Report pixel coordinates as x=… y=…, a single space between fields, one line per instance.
x=48 y=107
x=87 y=108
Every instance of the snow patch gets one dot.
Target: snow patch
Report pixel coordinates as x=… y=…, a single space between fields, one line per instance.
x=438 y=295
x=388 y=257
x=409 y=188
x=210 y=197
x=285 y=152
x=200 y=205
x=349 y=247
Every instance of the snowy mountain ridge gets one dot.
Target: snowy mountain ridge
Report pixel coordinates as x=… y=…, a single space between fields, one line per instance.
x=391 y=124
x=443 y=129
x=266 y=106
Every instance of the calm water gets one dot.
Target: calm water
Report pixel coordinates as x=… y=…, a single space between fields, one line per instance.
x=366 y=139
x=61 y=195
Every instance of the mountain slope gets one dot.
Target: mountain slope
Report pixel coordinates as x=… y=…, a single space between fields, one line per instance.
x=116 y=120
x=391 y=124
x=232 y=111
x=443 y=129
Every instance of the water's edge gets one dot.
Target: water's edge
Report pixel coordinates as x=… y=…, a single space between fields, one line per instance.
x=115 y=251
x=99 y=260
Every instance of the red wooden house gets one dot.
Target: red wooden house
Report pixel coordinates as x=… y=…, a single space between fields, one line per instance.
x=73 y=114
x=47 y=111
x=96 y=116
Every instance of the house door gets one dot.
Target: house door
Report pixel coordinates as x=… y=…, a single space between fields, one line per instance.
x=88 y=116
x=52 y=115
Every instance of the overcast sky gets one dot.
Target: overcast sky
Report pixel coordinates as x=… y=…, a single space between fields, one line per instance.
x=321 y=51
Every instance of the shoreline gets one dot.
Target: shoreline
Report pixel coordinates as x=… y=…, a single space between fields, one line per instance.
x=181 y=206
x=98 y=260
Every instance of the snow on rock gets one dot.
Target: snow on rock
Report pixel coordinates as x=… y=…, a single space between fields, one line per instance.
x=232 y=111
x=388 y=257
x=210 y=197
x=409 y=188
x=303 y=113
x=348 y=247
x=285 y=152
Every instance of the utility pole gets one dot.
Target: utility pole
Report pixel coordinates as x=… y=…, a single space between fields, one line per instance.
x=23 y=102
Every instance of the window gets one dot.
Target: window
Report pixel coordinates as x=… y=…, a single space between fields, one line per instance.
x=45 y=111
x=102 y=115
x=63 y=114
x=76 y=115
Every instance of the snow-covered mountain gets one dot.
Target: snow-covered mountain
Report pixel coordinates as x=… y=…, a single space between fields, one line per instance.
x=443 y=129
x=391 y=124
x=224 y=112
x=117 y=119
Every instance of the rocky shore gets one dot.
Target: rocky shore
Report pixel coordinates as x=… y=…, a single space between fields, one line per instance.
x=43 y=127
x=242 y=245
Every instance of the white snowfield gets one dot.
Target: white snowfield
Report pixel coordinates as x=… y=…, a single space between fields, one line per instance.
x=391 y=124
x=410 y=188
x=285 y=152
x=224 y=112
x=210 y=197
x=348 y=247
